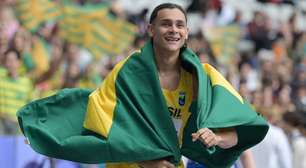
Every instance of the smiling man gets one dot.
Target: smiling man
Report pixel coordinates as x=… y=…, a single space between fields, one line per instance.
x=169 y=32
x=156 y=105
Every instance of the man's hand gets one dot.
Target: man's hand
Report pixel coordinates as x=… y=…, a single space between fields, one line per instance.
x=224 y=138
x=156 y=164
x=207 y=137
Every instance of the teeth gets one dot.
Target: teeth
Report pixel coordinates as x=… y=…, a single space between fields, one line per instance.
x=172 y=39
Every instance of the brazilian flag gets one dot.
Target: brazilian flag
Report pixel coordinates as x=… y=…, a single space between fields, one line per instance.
x=127 y=119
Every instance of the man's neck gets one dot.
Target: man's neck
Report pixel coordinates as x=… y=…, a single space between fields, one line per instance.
x=167 y=61
x=168 y=66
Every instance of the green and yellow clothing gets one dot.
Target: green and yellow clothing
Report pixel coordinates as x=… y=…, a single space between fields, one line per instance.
x=178 y=101
x=40 y=57
x=27 y=63
x=14 y=93
x=3 y=72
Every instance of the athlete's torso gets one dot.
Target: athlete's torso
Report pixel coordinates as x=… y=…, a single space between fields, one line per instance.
x=178 y=101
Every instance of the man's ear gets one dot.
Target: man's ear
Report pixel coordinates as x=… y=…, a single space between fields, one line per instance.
x=150 y=30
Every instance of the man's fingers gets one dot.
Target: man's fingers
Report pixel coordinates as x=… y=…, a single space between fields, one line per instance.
x=196 y=135
x=211 y=142
x=167 y=164
x=206 y=136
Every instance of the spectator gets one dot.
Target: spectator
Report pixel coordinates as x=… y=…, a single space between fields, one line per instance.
x=15 y=91
x=294 y=125
x=274 y=151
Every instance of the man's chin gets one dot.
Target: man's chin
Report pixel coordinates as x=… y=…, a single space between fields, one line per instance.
x=173 y=48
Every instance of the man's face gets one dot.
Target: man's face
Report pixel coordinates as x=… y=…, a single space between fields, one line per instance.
x=169 y=30
x=11 y=62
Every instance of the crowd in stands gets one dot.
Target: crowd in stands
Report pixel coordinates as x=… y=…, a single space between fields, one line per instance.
x=260 y=46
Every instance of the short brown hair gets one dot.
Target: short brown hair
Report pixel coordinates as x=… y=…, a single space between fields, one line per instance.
x=166 y=6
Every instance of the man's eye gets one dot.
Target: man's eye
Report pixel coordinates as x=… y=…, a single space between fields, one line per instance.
x=180 y=26
x=166 y=24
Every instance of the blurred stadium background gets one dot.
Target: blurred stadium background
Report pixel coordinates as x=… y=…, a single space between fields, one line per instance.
x=259 y=45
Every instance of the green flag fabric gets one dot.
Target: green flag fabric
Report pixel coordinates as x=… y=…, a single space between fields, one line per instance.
x=127 y=119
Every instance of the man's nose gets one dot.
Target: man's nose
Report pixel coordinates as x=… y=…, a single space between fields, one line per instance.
x=173 y=28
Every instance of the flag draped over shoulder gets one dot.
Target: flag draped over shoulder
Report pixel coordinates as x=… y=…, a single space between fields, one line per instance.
x=127 y=119
x=33 y=13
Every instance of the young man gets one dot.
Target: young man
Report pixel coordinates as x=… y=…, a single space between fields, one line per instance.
x=156 y=105
x=169 y=32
